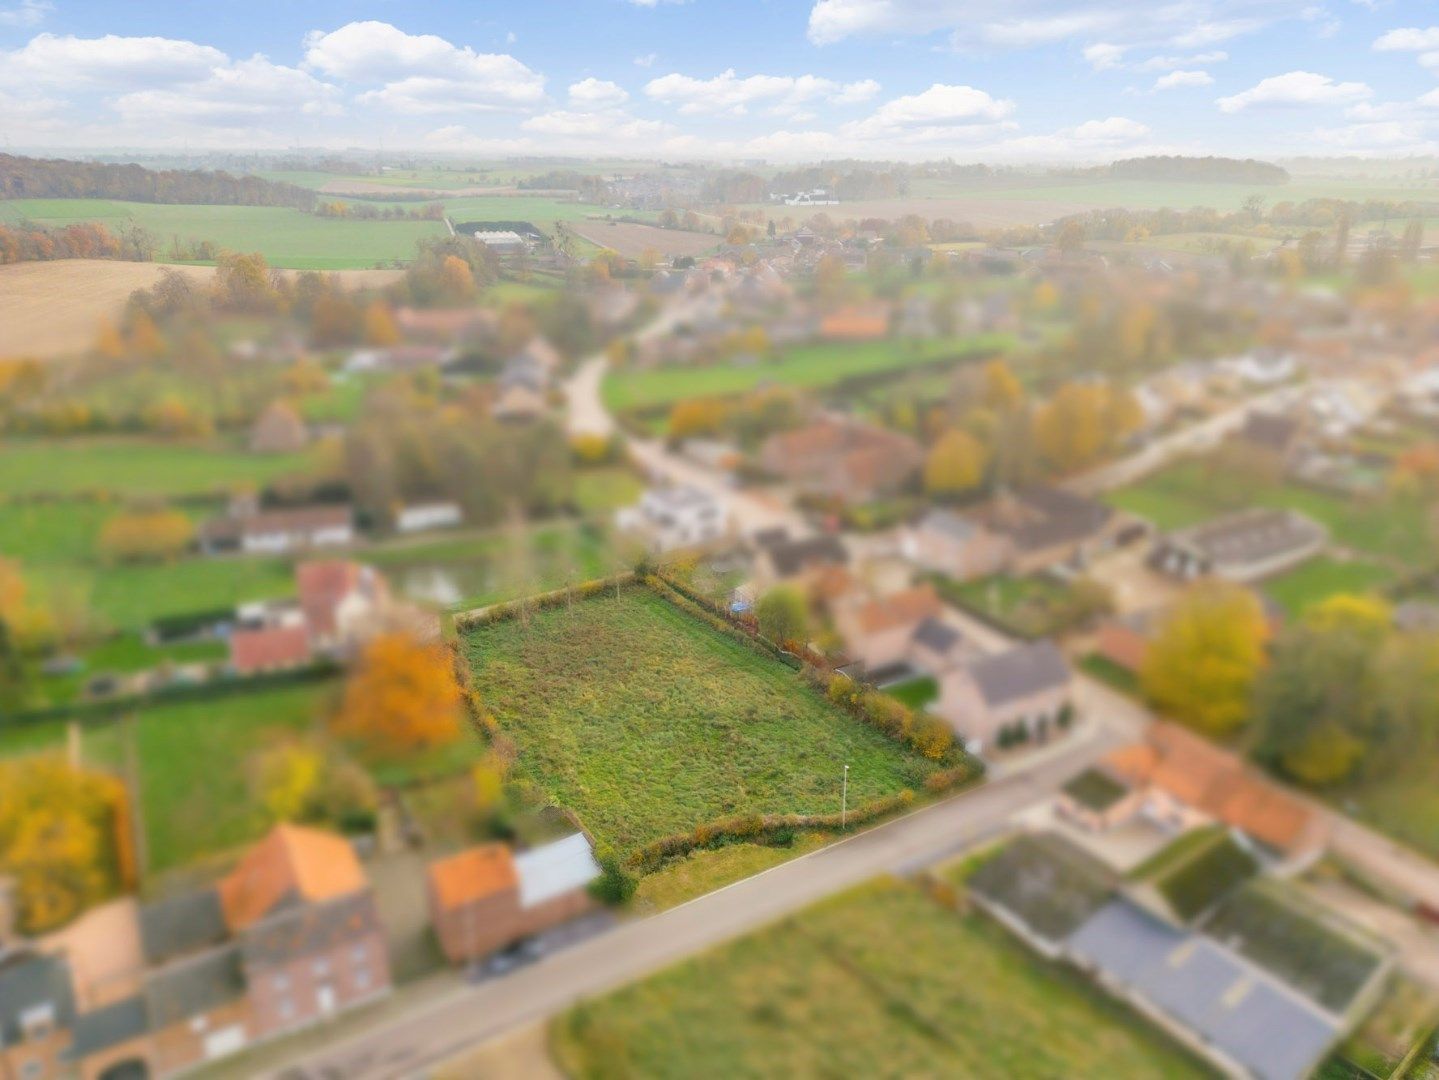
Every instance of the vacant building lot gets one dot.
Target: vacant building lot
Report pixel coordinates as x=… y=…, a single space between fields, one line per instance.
x=881 y=981
x=646 y=722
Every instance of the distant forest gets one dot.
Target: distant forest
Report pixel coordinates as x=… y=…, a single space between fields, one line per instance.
x=38 y=178
x=1200 y=170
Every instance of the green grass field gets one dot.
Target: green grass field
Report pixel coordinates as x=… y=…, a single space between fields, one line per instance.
x=135 y=467
x=879 y=981
x=1322 y=577
x=1191 y=491
x=804 y=366
x=286 y=237
x=646 y=722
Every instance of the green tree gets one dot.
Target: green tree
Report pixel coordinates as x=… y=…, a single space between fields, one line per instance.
x=783 y=614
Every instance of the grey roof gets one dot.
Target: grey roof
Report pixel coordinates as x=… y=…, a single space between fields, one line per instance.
x=1270 y=430
x=948 y=523
x=792 y=556
x=187 y=988
x=1250 y=536
x=937 y=636
x=1019 y=672
x=182 y=924
x=31 y=980
x=1046 y=516
x=110 y=1026
x=555 y=869
x=295 y=928
x=1244 y=1013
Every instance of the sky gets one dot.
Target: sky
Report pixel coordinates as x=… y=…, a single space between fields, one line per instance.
x=778 y=80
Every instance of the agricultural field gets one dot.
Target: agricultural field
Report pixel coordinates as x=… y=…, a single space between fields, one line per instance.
x=131 y=467
x=647 y=722
x=880 y=981
x=285 y=236
x=632 y=240
x=806 y=366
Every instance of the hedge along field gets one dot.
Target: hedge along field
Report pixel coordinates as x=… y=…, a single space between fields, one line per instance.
x=646 y=722
x=285 y=236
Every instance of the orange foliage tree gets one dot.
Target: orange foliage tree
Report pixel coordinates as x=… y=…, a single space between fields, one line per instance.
x=401 y=698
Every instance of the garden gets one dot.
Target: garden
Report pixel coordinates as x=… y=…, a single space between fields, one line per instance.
x=648 y=722
x=880 y=981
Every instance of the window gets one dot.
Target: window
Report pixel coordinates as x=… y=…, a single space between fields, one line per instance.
x=359 y=952
x=199 y=1023
x=37 y=1021
x=287 y=1009
x=362 y=978
x=321 y=967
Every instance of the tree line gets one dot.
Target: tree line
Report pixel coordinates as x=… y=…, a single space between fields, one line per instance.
x=1221 y=170
x=39 y=178
x=25 y=242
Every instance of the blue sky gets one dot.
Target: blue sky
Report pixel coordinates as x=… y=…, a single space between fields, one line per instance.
x=992 y=80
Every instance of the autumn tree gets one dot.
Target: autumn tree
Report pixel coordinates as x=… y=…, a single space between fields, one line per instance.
x=955 y=464
x=153 y=534
x=1002 y=392
x=1202 y=664
x=783 y=614
x=380 y=328
x=30 y=625
x=1069 y=428
x=64 y=838
x=696 y=416
x=401 y=698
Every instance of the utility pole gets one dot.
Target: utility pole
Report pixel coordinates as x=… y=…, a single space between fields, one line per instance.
x=844 y=800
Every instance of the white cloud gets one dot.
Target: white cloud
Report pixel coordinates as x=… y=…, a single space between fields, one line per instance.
x=1167 y=63
x=609 y=127
x=1114 y=129
x=1102 y=55
x=237 y=95
x=26 y=13
x=1295 y=88
x=1408 y=39
x=422 y=73
x=727 y=92
x=109 y=61
x=647 y=60
x=941 y=112
x=595 y=93
x=1021 y=23
x=1176 y=79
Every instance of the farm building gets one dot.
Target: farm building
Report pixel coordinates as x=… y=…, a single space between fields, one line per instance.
x=1241 y=547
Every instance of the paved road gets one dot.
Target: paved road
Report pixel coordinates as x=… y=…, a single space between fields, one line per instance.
x=473 y=1015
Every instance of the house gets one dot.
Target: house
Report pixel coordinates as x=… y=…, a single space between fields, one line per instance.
x=879 y=631
x=278 y=430
x=1042 y=528
x=675 y=517
x=489 y=897
x=1177 y=780
x=264 y=649
x=37 y=1010
x=252 y=531
x=611 y=308
x=502 y=241
x=401 y=358
x=1241 y=547
x=290 y=936
x=421 y=517
x=779 y=558
x=1270 y=434
x=1263 y=366
x=937 y=647
x=1124 y=639
x=842 y=459
x=949 y=543
x=342 y=602
x=869 y=322
x=447 y=325
x=1024 y=692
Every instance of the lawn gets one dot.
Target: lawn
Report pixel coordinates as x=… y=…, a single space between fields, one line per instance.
x=803 y=366
x=1403 y=804
x=285 y=236
x=879 y=981
x=1191 y=491
x=1322 y=577
x=194 y=760
x=600 y=491
x=135 y=467
x=1030 y=606
x=646 y=722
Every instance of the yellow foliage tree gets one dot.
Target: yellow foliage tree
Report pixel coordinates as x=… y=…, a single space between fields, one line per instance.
x=1069 y=428
x=61 y=838
x=144 y=337
x=151 y=535
x=287 y=780
x=1202 y=664
x=1002 y=391
x=458 y=278
x=955 y=464
x=108 y=342
x=30 y=625
x=696 y=416
x=402 y=697
x=380 y=328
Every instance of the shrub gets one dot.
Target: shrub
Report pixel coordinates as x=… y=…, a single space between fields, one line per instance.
x=615 y=885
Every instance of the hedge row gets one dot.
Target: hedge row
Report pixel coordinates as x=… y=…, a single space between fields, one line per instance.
x=741 y=627
x=925 y=734
x=510 y=609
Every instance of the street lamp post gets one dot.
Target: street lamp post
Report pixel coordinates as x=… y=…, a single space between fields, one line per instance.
x=844 y=800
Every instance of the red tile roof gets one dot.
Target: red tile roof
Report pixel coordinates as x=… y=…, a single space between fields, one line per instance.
x=472 y=875
x=269 y=649
x=291 y=862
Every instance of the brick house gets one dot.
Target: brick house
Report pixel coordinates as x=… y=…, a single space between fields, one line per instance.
x=289 y=937
x=879 y=631
x=842 y=459
x=488 y=897
x=1027 y=687
x=37 y=1009
x=944 y=542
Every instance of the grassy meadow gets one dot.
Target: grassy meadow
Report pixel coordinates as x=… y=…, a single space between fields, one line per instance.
x=879 y=981
x=286 y=237
x=806 y=366
x=646 y=722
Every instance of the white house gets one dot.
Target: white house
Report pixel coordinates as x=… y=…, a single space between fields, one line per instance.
x=420 y=517
x=675 y=517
